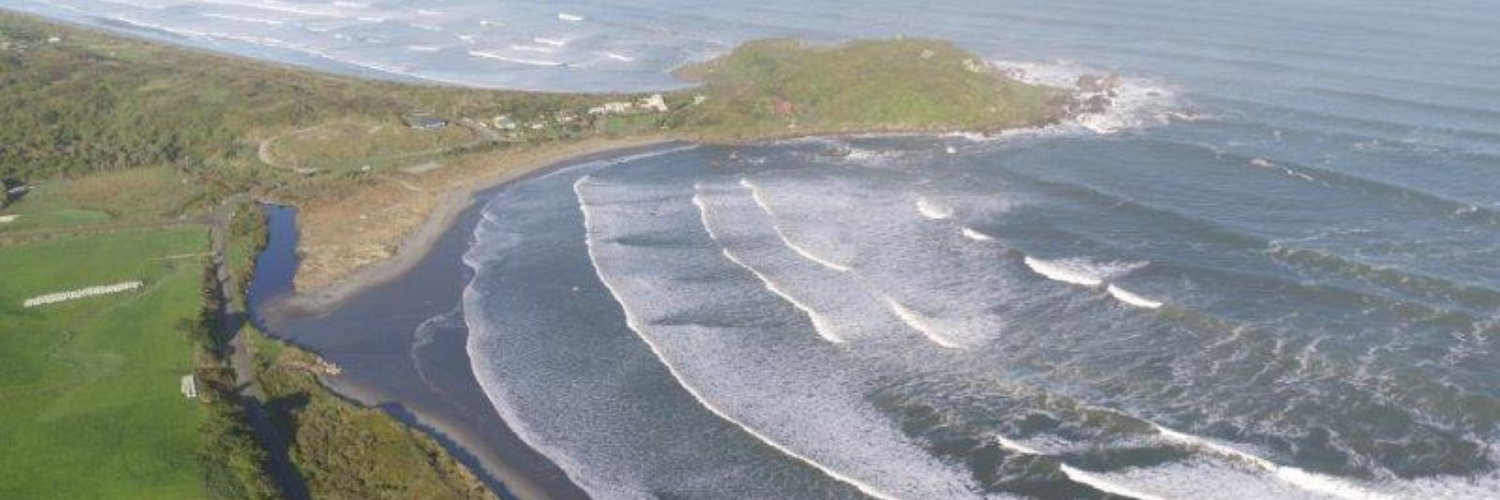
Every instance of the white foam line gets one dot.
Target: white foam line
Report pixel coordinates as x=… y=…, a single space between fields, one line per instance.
x=1105 y=485
x=933 y=211
x=517 y=60
x=640 y=331
x=1055 y=272
x=976 y=235
x=917 y=321
x=533 y=48
x=572 y=18
x=555 y=42
x=275 y=7
x=159 y=27
x=765 y=207
x=256 y=20
x=1131 y=298
x=821 y=325
x=1299 y=478
x=619 y=57
x=1078 y=475
x=1016 y=446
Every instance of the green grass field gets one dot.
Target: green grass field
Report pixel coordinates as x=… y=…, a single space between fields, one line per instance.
x=90 y=387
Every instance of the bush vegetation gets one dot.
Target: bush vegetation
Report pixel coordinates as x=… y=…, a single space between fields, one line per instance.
x=349 y=452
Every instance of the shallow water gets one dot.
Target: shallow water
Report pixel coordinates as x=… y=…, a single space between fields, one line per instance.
x=1270 y=272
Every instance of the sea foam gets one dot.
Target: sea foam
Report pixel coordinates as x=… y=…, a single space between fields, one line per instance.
x=821 y=324
x=640 y=322
x=919 y=322
x=1131 y=298
x=1310 y=481
x=975 y=235
x=755 y=194
x=933 y=210
x=517 y=60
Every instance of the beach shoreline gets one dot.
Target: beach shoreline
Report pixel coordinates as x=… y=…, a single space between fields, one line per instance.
x=380 y=363
x=417 y=243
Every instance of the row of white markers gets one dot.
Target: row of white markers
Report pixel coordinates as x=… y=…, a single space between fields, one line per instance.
x=92 y=291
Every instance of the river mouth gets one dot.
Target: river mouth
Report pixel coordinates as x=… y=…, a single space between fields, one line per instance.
x=401 y=345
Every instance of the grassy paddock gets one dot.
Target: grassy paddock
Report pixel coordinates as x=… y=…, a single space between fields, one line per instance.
x=92 y=408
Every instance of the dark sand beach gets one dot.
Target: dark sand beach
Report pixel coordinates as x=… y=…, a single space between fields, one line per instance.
x=401 y=342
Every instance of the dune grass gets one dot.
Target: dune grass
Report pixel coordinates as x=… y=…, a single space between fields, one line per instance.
x=90 y=387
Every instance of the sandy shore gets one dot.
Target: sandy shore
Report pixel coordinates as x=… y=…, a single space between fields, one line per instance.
x=417 y=243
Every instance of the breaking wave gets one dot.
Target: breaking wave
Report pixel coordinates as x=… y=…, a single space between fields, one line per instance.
x=760 y=201
x=821 y=324
x=517 y=60
x=976 y=235
x=1131 y=298
x=1080 y=271
x=933 y=210
x=919 y=322
x=1133 y=104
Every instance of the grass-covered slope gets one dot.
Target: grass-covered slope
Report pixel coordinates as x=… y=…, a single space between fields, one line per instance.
x=91 y=407
x=780 y=87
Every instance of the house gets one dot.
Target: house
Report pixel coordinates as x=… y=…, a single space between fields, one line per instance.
x=423 y=121
x=504 y=122
x=10 y=191
x=612 y=108
x=655 y=102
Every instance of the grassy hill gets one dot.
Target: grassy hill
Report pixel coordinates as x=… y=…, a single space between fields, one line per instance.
x=779 y=87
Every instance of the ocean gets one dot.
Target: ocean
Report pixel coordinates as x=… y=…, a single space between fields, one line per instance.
x=1270 y=271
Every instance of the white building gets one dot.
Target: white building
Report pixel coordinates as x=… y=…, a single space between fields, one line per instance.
x=612 y=108
x=655 y=102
